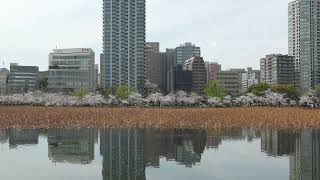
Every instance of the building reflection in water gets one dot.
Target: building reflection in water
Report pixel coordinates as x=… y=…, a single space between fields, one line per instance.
x=72 y=146
x=123 y=154
x=23 y=137
x=183 y=146
x=277 y=143
x=305 y=162
x=4 y=136
x=302 y=148
x=215 y=137
x=127 y=153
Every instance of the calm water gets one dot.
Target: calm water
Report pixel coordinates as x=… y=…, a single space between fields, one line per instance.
x=150 y=154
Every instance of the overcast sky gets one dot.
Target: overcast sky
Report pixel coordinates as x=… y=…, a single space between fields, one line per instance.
x=235 y=33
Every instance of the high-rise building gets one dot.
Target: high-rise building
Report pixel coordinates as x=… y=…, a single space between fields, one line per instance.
x=277 y=69
x=152 y=46
x=180 y=79
x=304 y=41
x=212 y=70
x=163 y=72
x=155 y=64
x=22 y=79
x=198 y=68
x=232 y=81
x=71 y=70
x=185 y=52
x=4 y=74
x=102 y=71
x=96 y=69
x=123 y=43
x=249 y=78
x=170 y=60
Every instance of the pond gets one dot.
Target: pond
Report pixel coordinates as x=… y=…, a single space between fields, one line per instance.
x=154 y=154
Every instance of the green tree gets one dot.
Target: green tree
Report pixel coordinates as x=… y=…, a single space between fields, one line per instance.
x=317 y=91
x=215 y=89
x=81 y=93
x=43 y=84
x=123 y=92
x=108 y=91
x=290 y=90
x=257 y=89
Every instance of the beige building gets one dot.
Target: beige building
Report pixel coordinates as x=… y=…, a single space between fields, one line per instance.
x=232 y=81
x=155 y=66
x=198 y=68
x=212 y=70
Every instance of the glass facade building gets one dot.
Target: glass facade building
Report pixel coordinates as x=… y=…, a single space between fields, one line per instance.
x=4 y=74
x=185 y=52
x=22 y=79
x=181 y=79
x=123 y=43
x=71 y=70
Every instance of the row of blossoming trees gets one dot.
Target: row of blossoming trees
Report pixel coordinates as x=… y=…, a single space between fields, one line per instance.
x=179 y=99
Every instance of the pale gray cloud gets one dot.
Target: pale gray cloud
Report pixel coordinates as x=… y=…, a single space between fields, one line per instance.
x=235 y=33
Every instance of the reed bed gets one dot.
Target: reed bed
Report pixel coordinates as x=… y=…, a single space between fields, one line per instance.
x=190 y=118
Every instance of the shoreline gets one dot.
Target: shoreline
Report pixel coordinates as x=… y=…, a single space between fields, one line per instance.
x=29 y=117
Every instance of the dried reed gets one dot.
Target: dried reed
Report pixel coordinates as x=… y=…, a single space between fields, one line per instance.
x=194 y=118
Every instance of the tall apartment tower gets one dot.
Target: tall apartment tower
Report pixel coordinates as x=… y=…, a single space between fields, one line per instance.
x=304 y=41
x=123 y=43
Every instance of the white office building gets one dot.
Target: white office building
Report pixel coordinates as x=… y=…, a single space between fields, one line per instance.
x=71 y=70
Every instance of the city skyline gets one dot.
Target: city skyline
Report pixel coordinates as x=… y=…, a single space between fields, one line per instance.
x=212 y=28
